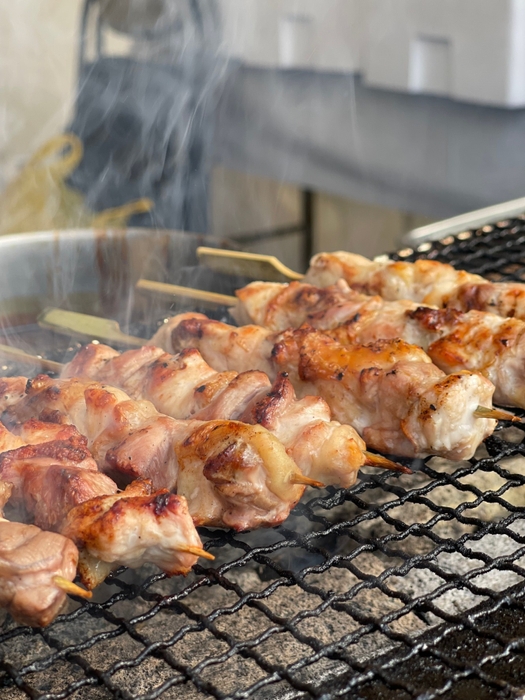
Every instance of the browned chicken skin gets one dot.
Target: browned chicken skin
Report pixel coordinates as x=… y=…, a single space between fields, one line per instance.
x=389 y=392
x=425 y=281
x=34 y=432
x=455 y=341
x=51 y=478
x=132 y=527
x=184 y=386
x=243 y=483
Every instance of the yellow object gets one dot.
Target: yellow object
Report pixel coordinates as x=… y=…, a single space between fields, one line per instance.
x=39 y=200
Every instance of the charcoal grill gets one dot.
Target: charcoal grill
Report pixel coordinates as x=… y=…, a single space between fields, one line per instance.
x=401 y=587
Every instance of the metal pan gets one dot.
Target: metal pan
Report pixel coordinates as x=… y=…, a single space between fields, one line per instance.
x=94 y=271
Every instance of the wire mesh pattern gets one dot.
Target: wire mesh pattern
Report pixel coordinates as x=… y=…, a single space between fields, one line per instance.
x=404 y=586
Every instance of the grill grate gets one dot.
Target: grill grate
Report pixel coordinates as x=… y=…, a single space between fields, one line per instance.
x=402 y=587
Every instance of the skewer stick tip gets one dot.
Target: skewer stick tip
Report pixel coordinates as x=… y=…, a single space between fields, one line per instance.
x=71 y=588
x=302 y=480
x=197 y=551
x=496 y=413
x=373 y=460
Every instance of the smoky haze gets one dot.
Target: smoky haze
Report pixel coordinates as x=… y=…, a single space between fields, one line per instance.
x=146 y=119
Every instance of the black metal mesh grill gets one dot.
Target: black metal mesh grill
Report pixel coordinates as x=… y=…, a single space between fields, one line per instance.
x=400 y=587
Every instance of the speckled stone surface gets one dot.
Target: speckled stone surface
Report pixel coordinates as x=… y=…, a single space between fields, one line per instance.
x=164 y=642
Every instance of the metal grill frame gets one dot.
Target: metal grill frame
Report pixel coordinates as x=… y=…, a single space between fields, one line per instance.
x=474 y=653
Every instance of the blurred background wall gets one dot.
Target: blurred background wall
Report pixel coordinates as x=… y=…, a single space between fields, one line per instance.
x=38 y=58
x=39 y=42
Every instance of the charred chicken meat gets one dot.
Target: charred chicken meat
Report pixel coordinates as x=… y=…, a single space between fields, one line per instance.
x=475 y=341
x=232 y=474
x=389 y=391
x=185 y=386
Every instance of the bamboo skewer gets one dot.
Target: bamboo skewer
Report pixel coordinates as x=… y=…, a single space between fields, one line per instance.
x=87 y=327
x=175 y=291
x=71 y=588
x=373 y=460
x=197 y=551
x=254 y=265
x=8 y=351
x=497 y=414
x=302 y=480
x=56 y=367
x=104 y=330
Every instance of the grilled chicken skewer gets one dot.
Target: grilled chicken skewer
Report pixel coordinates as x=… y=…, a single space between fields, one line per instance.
x=37 y=569
x=425 y=281
x=474 y=341
x=184 y=386
x=232 y=474
x=390 y=392
x=480 y=411
x=59 y=485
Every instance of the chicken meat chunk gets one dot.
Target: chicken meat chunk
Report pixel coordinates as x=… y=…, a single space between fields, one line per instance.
x=358 y=383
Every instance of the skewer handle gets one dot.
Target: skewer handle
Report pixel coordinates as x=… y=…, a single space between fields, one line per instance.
x=34 y=360
x=253 y=265
x=174 y=291
x=86 y=327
